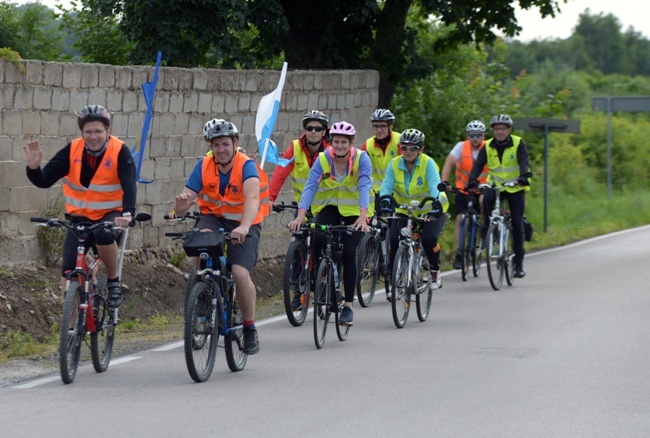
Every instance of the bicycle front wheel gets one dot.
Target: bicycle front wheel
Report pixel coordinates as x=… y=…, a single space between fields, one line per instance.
x=464 y=246
x=368 y=269
x=401 y=288
x=494 y=256
x=322 y=301
x=201 y=335
x=234 y=340
x=296 y=283
x=508 y=258
x=424 y=290
x=477 y=249
x=72 y=332
x=101 y=340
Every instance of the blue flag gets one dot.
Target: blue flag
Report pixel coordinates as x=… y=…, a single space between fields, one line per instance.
x=149 y=90
x=267 y=115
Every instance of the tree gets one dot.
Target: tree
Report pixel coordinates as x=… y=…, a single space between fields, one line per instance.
x=311 y=34
x=30 y=30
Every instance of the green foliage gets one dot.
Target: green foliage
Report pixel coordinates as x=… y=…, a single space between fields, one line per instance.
x=14 y=57
x=50 y=240
x=178 y=256
x=18 y=344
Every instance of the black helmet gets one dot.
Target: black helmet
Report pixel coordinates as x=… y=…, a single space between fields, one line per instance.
x=382 y=115
x=501 y=119
x=219 y=128
x=412 y=136
x=92 y=113
x=315 y=115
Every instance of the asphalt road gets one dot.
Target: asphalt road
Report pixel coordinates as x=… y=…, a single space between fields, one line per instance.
x=562 y=353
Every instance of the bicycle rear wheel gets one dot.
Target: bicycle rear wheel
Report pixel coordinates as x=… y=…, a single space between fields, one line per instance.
x=322 y=301
x=401 y=289
x=494 y=256
x=101 y=340
x=201 y=336
x=368 y=269
x=234 y=340
x=296 y=282
x=464 y=246
x=424 y=291
x=72 y=332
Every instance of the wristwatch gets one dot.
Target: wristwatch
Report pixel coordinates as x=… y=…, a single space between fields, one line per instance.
x=126 y=214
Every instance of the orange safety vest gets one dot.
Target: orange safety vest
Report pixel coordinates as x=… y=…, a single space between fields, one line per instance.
x=104 y=194
x=231 y=204
x=464 y=166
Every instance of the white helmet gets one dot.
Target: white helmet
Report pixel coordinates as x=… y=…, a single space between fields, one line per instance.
x=219 y=128
x=475 y=126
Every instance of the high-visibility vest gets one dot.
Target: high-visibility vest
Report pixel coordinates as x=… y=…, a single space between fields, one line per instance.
x=418 y=188
x=104 y=193
x=380 y=162
x=344 y=194
x=300 y=171
x=506 y=170
x=464 y=166
x=231 y=204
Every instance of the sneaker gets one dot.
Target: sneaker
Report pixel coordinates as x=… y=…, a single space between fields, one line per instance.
x=347 y=315
x=115 y=294
x=458 y=262
x=296 y=303
x=251 y=343
x=389 y=295
x=519 y=271
x=436 y=280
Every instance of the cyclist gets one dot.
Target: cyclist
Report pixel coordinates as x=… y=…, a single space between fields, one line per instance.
x=304 y=151
x=462 y=156
x=507 y=160
x=338 y=191
x=412 y=177
x=231 y=193
x=99 y=184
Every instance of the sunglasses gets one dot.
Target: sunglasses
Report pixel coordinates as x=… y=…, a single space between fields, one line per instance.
x=474 y=135
x=410 y=147
x=314 y=128
x=379 y=126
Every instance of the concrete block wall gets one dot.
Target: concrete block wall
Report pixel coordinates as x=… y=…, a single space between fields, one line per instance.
x=41 y=105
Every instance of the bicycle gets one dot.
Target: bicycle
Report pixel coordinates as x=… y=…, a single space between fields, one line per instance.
x=211 y=310
x=372 y=258
x=470 y=226
x=500 y=254
x=411 y=274
x=85 y=302
x=297 y=276
x=328 y=298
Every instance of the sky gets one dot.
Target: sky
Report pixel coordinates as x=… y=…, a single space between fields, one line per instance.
x=634 y=13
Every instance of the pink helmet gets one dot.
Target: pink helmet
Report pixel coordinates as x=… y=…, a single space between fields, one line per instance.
x=343 y=128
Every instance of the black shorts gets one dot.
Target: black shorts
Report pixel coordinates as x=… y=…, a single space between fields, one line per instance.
x=461 y=202
x=243 y=254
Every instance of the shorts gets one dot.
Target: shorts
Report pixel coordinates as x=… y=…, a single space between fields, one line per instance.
x=243 y=254
x=461 y=202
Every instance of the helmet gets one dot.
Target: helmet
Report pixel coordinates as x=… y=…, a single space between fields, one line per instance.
x=343 y=128
x=475 y=126
x=315 y=115
x=501 y=119
x=92 y=113
x=412 y=136
x=383 y=115
x=219 y=128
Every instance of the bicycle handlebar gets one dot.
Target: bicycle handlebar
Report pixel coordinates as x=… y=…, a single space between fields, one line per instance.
x=413 y=206
x=187 y=216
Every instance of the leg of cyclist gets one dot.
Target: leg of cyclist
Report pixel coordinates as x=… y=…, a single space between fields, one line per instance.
x=105 y=241
x=517 y=203
x=350 y=244
x=395 y=227
x=430 y=232
x=461 y=206
x=486 y=209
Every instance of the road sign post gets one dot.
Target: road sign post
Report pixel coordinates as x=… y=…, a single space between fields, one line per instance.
x=546 y=126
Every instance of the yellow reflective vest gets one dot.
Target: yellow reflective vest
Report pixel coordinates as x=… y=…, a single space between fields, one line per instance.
x=418 y=188
x=506 y=170
x=344 y=194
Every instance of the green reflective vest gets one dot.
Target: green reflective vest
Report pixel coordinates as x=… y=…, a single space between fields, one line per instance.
x=344 y=194
x=418 y=188
x=506 y=170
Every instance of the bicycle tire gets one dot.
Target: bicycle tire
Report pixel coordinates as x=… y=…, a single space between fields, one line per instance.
x=234 y=340
x=424 y=291
x=70 y=338
x=494 y=256
x=464 y=246
x=101 y=340
x=508 y=258
x=477 y=249
x=368 y=269
x=322 y=302
x=338 y=303
x=295 y=260
x=200 y=340
x=401 y=290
